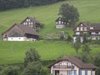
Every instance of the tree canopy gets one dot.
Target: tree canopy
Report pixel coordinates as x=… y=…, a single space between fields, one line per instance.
x=69 y=13
x=31 y=55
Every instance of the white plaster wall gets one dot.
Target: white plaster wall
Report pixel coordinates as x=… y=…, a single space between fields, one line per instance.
x=74 y=39
x=93 y=33
x=60 y=26
x=16 y=39
x=77 y=33
x=81 y=39
x=93 y=38
x=77 y=29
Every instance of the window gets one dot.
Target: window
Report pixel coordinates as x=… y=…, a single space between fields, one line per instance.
x=91 y=27
x=59 y=22
x=85 y=28
x=28 y=20
x=71 y=72
x=31 y=22
x=77 y=28
x=81 y=28
x=81 y=24
x=77 y=33
x=93 y=33
x=24 y=23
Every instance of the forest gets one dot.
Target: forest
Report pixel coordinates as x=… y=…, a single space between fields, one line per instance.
x=11 y=4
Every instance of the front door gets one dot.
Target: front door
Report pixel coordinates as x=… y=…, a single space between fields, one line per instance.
x=56 y=72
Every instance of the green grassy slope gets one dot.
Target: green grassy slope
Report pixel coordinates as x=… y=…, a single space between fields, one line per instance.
x=13 y=52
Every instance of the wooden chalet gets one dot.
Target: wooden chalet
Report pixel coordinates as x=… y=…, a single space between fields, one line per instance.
x=71 y=66
x=60 y=23
x=20 y=33
x=92 y=30
x=31 y=22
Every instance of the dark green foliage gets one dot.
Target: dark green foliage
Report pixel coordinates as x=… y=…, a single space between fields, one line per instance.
x=77 y=45
x=69 y=38
x=35 y=68
x=32 y=68
x=10 y=70
x=62 y=35
x=97 y=63
x=85 y=55
x=85 y=38
x=44 y=71
x=9 y=4
x=70 y=13
x=31 y=55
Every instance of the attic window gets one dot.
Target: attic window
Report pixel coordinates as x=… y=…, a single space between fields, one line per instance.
x=81 y=24
x=28 y=20
x=25 y=23
x=77 y=28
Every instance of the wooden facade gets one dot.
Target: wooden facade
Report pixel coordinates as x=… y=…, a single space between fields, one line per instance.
x=72 y=66
x=91 y=30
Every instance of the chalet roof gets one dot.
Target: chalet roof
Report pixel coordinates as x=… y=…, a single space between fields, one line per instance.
x=96 y=27
x=76 y=61
x=60 y=19
x=27 y=29
x=83 y=23
x=19 y=30
x=32 y=19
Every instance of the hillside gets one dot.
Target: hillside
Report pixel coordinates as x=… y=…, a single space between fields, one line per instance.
x=13 y=52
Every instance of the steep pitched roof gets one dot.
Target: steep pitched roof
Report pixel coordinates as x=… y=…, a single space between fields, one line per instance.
x=83 y=23
x=60 y=19
x=19 y=30
x=96 y=27
x=26 y=29
x=33 y=19
x=76 y=61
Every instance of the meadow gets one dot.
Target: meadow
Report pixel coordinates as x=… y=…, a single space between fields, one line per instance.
x=14 y=52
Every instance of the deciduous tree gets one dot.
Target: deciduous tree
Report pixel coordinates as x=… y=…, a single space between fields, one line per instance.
x=70 y=13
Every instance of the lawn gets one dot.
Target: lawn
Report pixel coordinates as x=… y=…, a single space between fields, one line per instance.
x=14 y=52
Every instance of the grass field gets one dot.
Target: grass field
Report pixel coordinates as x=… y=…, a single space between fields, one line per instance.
x=14 y=52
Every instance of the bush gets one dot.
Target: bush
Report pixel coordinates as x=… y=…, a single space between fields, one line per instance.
x=10 y=70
